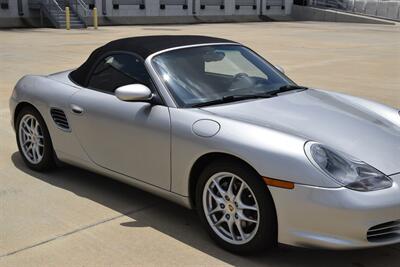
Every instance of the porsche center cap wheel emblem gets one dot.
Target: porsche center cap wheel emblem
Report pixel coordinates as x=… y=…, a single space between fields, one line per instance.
x=231 y=208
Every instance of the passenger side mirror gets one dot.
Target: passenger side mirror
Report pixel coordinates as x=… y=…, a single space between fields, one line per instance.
x=280 y=69
x=134 y=92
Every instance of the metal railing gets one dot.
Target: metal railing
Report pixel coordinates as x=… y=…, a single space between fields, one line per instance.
x=385 y=9
x=51 y=8
x=81 y=8
x=55 y=10
x=339 y=4
x=82 y=4
x=53 y=5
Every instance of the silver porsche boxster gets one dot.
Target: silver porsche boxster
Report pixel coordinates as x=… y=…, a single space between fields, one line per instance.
x=211 y=125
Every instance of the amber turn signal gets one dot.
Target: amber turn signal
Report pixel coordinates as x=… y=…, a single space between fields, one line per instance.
x=278 y=183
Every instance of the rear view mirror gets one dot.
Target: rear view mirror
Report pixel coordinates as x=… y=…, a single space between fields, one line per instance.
x=133 y=92
x=213 y=56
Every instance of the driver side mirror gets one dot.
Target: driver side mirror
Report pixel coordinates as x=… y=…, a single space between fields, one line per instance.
x=280 y=69
x=134 y=92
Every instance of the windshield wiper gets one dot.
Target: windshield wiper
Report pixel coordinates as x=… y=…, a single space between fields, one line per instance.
x=233 y=98
x=286 y=88
x=229 y=99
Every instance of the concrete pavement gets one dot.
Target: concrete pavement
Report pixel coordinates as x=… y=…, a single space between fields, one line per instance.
x=71 y=217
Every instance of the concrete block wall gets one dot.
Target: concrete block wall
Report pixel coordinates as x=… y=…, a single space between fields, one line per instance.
x=18 y=14
x=378 y=8
x=274 y=7
x=393 y=10
x=151 y=8
x=359 y=6
x=371 y=8
x=306 y=13
x=196 y=11
x=12 y=10
x=381 y=9
x=246 y=7
x=212 y=8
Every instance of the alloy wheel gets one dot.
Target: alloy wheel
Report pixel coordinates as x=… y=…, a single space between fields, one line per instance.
x=31 y=139
x=231 y=208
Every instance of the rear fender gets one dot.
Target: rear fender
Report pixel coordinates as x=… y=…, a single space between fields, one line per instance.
x=44 y=94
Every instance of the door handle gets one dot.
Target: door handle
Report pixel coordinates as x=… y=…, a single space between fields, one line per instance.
x=77 y=109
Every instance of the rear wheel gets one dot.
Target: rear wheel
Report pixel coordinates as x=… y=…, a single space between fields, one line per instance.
x=33 y=140
x=236 y=207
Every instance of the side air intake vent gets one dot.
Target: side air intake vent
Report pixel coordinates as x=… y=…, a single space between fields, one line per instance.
x=59 y=118
x=384 y=232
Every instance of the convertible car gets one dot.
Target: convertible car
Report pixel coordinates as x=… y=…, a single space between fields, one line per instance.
x=209 y=124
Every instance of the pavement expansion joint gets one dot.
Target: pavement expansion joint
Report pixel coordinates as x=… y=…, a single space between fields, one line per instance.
x=77 y=230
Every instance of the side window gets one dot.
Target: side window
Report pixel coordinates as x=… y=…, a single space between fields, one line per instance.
x=118 y=70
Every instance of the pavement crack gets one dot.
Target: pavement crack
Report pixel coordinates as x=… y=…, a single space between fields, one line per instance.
x=76 y=230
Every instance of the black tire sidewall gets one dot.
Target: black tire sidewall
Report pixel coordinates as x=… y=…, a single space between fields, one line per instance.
x=47 y=161
x=267 y=231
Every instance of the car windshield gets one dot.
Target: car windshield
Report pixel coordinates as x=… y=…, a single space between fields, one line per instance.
x=205 y=74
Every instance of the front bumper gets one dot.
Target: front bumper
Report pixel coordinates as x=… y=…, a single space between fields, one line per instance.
x=336 y=218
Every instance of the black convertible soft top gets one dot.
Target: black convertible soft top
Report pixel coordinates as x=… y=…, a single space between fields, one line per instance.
x=142 y=46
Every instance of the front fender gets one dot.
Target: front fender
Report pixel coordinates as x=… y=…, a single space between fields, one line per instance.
x=271 y=153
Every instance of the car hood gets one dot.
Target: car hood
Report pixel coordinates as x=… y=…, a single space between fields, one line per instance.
x=326 y=118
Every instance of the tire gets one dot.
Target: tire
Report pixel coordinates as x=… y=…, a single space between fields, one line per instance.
x=254 y=237
x=43 y=158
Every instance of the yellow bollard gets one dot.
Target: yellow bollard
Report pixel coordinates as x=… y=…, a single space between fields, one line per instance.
x=67 y=18
x=95 y=19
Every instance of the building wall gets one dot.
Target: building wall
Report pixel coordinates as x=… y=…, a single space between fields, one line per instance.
x=307 y=13
x=389 y=9
x=18 y=14
x=132 y=14
x=153 y=8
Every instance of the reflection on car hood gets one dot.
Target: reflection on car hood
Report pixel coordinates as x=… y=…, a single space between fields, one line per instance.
x=326 y=118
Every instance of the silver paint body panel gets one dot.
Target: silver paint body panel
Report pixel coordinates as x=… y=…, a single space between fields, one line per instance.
x=327 y=118
x=334 y=218
x=131 y=138
x=154 y=148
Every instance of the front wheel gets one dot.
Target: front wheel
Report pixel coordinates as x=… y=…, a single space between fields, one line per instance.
x=236 y=207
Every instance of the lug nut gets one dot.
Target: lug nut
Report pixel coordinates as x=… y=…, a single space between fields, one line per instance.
x=222 y=206
x=227 y=216
x=236 y=216
x=227 y=198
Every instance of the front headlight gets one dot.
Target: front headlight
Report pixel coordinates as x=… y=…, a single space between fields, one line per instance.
x=349 y=172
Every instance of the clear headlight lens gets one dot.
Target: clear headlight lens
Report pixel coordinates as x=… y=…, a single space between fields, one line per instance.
x=349 y=172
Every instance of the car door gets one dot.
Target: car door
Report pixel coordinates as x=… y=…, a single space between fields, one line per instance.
x=130 y=138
